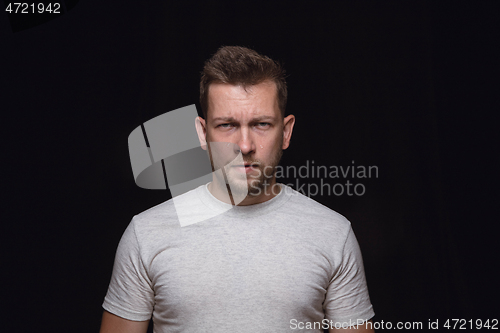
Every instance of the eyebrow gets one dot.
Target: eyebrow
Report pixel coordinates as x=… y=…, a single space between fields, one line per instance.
x=231 y=119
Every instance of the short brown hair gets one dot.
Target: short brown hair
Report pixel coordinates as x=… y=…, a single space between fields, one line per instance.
x=240 y=65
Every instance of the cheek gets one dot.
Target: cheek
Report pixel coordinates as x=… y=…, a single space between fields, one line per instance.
x=270 y=150
x=271 y=141
x=209 y=135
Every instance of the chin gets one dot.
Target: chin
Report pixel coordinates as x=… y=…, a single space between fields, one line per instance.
x=255 y=188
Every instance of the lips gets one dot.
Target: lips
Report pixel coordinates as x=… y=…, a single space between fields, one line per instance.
x=247 y=167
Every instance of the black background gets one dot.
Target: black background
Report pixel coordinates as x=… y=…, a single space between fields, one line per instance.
x=408 y=86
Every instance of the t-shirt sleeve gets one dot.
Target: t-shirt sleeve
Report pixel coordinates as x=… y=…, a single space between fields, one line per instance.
x=130 y=294
x=347 y=299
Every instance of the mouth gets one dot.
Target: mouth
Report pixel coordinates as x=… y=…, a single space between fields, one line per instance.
x=247 y=167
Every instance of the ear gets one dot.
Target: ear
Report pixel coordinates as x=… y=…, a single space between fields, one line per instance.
x=202 y=131
x=288 y=123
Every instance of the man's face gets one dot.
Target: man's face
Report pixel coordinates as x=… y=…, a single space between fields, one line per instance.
x=252 y=120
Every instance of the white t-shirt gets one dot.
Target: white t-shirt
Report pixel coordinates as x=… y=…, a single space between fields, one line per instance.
x=269 y=267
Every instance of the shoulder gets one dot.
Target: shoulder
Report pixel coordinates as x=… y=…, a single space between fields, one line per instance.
x=304 y=206
x=164 y=216
x=315 y=223
x=159 y=214
x=150 y=230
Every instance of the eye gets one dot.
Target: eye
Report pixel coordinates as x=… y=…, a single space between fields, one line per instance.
x=264 y=125
x=224 y=125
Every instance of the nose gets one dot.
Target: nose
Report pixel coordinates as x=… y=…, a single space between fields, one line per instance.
x=245 y=141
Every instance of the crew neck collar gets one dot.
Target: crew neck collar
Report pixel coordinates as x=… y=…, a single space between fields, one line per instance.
x=217 y=205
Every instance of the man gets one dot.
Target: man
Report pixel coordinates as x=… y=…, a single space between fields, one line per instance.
x=276 y=262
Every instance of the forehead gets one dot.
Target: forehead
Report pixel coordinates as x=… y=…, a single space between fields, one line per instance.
x=227 y=100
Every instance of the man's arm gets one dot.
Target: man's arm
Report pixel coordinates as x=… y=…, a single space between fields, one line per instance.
x=360 y=329
x=113 y=324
